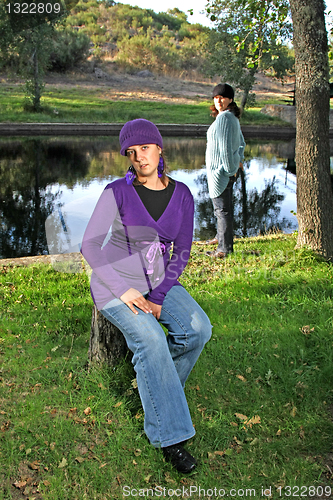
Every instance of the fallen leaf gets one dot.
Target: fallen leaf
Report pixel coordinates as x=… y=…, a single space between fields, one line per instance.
x=103 y=465
x=46 y=483
x=306 y=330
x=240 y=416
x=19 y=484
x=254 y=420
x=87 y=411
x=118 y=404
x=80 y=459
x=27 y=491
x=134 y=383
x=255 y=441
x=293 y=411
x=243 y=379
x=34 y=465
x=278 y=432
x=63 y=463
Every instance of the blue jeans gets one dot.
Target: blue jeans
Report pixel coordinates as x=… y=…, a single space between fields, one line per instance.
x=224 y=213
x=163 y=363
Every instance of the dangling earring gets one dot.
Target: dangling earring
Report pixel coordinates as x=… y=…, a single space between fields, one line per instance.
x=130 y=175
x=160 y=167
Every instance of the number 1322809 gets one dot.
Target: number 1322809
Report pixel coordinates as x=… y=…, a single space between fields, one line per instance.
x=33 y=8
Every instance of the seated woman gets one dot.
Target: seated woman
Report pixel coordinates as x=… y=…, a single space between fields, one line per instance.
x=135 y=284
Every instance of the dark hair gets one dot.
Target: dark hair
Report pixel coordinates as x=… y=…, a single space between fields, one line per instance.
x=231 y=107
x=136 y=181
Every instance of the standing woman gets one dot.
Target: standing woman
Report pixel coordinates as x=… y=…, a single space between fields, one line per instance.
x=224 y=155
x=135 y=284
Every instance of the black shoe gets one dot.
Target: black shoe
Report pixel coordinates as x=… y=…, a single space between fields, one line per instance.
x=179 y=458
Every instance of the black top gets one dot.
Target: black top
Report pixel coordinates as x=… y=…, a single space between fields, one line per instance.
x=155 y=201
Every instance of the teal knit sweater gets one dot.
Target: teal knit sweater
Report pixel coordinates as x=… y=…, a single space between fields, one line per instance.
x=225 y=149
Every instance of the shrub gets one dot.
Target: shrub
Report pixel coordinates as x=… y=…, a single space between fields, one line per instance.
x=70 y=48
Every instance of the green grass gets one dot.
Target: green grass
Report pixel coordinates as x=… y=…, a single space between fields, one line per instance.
x=259 y=395
x=82 y=105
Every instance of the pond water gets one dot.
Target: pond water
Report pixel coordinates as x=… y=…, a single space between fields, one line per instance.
x=49 y=187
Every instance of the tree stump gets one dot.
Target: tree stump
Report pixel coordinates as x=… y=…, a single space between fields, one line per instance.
x=107 y=343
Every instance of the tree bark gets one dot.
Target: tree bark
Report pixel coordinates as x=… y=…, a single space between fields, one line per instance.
x=312 y=155
x=248 y=86
x=107 y=343
x=37 y=90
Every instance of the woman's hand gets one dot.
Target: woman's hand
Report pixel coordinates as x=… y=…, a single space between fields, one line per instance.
x=134 y=298
x=156 y=309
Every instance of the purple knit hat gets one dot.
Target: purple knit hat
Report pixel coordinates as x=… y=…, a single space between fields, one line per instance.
x=137 y=132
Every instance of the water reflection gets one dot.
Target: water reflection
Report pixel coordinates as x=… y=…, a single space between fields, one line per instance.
x=255 y=212
x=65 y=176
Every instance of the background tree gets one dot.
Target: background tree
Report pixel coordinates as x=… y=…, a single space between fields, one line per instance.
x=314 y=192
x=26 y=43
x=248 y=38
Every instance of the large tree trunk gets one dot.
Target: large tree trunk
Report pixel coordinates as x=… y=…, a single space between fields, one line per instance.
x=314 y=191
x=107 y=343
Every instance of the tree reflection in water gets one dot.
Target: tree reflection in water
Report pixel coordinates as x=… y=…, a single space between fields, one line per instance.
x=254 y=212
x=27 y=169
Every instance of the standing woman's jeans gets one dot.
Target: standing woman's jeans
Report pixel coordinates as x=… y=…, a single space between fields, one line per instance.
x=224 y=213
x=163 y=363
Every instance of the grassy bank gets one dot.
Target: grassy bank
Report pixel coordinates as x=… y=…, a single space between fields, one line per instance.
x=259 y=395
x=84 y=105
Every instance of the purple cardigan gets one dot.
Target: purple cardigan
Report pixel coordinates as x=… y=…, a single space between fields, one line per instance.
x=126 y=248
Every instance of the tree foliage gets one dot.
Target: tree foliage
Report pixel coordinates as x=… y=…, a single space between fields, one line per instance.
x=27 y=41
x=32 y=42
x=249 y=36
x=69 y=48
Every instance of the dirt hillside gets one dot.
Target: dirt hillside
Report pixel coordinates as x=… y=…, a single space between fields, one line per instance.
x=147 y=86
